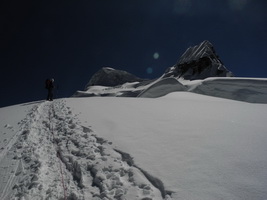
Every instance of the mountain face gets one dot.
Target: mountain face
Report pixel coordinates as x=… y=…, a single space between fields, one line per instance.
x=111 y=77
x=198 y=62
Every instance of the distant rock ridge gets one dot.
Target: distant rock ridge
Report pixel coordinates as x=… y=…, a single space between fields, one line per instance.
x=199 y=62
x=111 y=77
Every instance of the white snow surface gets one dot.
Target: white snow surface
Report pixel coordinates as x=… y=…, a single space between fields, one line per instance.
x=50 y=155
x=180 y=146
x=162 y=87
x=200 y=147
x=253 y=90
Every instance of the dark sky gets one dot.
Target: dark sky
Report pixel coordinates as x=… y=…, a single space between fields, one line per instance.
x=70 y=40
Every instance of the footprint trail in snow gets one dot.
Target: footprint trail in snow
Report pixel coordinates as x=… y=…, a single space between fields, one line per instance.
x=54 y=157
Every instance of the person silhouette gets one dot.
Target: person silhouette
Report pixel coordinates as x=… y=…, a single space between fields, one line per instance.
x=49 y=85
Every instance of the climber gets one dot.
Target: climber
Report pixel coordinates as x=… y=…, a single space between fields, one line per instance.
x=49 y=85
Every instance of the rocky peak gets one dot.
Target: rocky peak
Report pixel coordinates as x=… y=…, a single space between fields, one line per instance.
x=111 y=77
x=199 y=62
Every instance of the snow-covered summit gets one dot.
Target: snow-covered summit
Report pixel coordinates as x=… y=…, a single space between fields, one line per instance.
x=199 y=62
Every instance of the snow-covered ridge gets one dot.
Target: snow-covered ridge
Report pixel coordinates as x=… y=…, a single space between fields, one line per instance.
x=252 y=90
x=162 y=87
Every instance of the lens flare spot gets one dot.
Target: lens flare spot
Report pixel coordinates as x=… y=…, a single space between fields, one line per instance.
x=156 y=55
x=149 y=70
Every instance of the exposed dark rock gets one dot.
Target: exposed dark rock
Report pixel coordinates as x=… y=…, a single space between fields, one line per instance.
x=199 y=62
x=111 y=77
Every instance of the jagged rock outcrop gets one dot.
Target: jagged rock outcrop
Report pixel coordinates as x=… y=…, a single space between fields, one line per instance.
x=111 y=77
x=199 y=62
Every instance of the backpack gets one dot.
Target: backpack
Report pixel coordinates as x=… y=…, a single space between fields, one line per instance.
x=47 y=83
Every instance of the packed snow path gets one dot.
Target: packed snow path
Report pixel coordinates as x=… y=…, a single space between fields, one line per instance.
x=52 y=156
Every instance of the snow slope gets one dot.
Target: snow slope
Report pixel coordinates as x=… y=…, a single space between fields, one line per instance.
x=185 y=145
x=51 y=156
x=253 y=90
x=162 y=87
x=200 y=147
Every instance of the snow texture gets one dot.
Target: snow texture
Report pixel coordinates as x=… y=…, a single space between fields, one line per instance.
x=200 y=147
x=182 y=145
x=52 y=156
